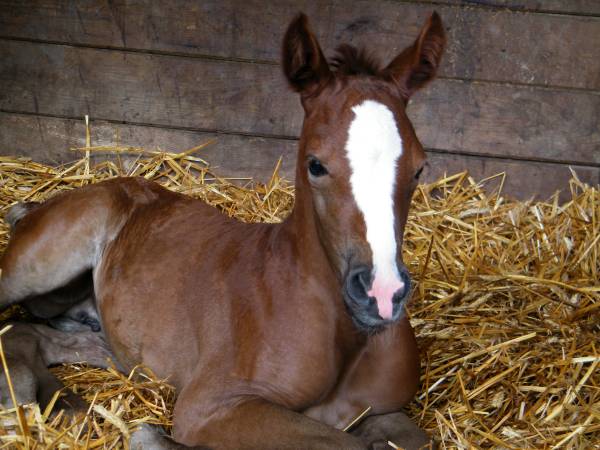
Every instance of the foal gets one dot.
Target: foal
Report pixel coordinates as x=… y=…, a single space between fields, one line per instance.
x=275 y=336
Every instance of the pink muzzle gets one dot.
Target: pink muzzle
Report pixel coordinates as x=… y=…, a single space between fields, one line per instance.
x=383 y=291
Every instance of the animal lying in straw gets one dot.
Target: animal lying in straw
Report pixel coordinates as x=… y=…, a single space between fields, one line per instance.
x=30 y=348
x=275 y=336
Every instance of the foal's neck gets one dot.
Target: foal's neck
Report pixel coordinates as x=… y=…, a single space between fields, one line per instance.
x=298 y=248
x=301 y=230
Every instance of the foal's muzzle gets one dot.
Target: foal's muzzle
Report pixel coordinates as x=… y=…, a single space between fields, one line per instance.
x=363 y=308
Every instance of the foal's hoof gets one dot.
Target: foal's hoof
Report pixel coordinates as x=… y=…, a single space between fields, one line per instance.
x=385 y=445
x=94 y=324
x=397 y=428
x=69 y=325
x=148 y=437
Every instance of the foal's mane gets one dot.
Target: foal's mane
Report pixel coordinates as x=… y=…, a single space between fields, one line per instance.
x=350 y=60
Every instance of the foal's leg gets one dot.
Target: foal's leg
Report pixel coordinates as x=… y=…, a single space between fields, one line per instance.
x=19 y=357
x=31 y=378
x=384 y=376
x=62 y=300
x=31 y=348
x=31 y=382
x=398 y=428
x=81 y=317
x=252 y=423
x=69 y=307
x=149 y=437
x=24 y=383
x=54 y=243
x=59 y=347
x=41 y=259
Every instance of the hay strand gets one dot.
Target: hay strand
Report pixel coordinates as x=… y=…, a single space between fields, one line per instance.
x=505 y=307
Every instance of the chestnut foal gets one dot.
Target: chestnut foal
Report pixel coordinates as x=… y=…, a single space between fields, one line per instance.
x=275 y=336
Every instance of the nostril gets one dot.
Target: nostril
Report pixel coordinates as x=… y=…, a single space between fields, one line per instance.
x=401 y=293
x=359 y=281
x=364 y=277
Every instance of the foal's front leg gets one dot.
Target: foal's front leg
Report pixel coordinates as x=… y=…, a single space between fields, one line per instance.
x=384 y=376
x=397 y=428
x=254 y=423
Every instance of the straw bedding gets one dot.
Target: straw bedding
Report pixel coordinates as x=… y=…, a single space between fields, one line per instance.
x=506 y=308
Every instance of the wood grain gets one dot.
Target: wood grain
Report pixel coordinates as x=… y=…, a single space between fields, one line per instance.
x=493 y=45
x=49 y=139
x=236 y=97
x=576 y=7
x=524 y=179
x=149 y=89
x=521 y=122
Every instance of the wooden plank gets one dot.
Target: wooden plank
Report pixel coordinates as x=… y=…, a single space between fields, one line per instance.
x=576 y=7
x=503 y=46
x=49 y=139
x=520 y=122
x=480 y=118
x=252 y=29
x=525 y=179
x=559 y=50
x=149 y=89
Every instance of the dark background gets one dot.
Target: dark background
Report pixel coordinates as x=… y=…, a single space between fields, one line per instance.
x=519 y=89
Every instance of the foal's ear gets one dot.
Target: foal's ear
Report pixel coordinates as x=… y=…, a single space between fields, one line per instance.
x=417 y=65
x=303 y=62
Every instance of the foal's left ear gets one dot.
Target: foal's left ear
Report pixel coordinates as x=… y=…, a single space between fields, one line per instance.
x=304 y=65
x=417 y=65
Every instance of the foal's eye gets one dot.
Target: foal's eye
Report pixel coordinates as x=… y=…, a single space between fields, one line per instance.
x=316 y=169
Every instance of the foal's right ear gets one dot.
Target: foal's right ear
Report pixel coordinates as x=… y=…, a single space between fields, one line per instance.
x=418 y=64
x=304 y=65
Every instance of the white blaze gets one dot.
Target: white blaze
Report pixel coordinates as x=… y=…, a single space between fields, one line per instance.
x=373 y=149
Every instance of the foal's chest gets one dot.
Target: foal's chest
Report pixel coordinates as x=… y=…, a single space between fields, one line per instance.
x=297 y=368
x=304 y=379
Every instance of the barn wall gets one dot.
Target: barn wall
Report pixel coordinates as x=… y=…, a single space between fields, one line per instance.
x=519 y=89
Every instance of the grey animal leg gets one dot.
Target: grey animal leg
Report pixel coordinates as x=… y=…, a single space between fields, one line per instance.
x=31 y=348
x=398 y=428
x=81 y=317
x=149 y=437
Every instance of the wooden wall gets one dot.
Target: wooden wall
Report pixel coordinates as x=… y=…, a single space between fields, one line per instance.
x=519 y=89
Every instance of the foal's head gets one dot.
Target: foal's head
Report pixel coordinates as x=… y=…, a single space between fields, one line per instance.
x=359 y=160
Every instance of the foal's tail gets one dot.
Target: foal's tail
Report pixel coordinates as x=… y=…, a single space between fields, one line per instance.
x=17 y=212
x=55 y=242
